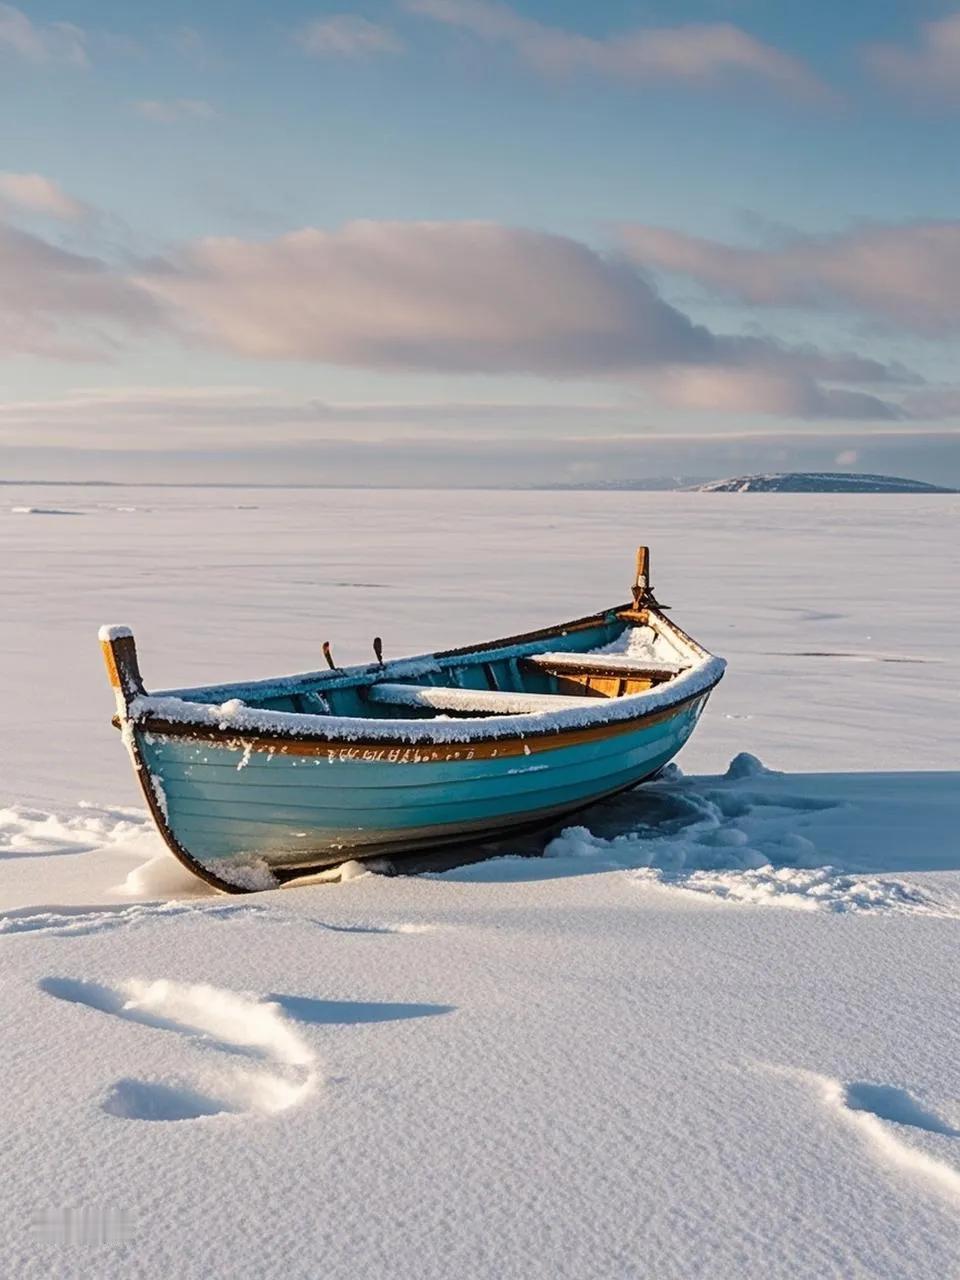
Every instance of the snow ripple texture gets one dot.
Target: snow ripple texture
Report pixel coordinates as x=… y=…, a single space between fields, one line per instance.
x=802 y=890
x=28 y=832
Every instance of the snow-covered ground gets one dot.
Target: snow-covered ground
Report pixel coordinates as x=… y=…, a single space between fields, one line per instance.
x=714 y=1032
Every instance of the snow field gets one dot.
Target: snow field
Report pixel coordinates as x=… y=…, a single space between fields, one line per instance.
x=615 y=1060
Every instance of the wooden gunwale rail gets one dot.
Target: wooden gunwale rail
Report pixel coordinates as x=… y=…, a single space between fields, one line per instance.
x=422 y=750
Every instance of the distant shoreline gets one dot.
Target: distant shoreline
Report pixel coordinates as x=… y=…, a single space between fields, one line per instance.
x=933 y=491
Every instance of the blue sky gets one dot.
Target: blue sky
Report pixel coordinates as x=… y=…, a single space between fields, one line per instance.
x=594 y=236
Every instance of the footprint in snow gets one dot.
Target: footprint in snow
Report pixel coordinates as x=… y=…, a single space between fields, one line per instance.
x=887 y=1102
x=254 y=1058
x=272 y=1068
x=884 y=1114
x=887 y=1118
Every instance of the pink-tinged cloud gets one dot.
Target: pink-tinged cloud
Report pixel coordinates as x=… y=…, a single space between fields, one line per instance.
x=63 y=305
x=476 y=297
x=424 y=297
x=931 y=68
x=347 y=35
x=695 y=53
x=906 y=274
x=34 y=193
x=41 y=42
x=458 y=296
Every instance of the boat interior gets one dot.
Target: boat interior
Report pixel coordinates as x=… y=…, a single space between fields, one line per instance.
x=618 y=653
x=612 y=655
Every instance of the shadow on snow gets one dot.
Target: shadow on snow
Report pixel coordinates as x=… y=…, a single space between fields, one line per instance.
x=858 y=823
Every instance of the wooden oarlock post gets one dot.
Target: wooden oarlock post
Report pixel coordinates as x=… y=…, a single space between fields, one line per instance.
x=641 y=581
x=642 y=595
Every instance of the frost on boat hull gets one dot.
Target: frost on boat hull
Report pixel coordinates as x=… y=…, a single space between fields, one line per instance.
x=258 y=782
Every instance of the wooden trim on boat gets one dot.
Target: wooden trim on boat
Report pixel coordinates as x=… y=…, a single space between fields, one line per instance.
x=119 y=651
x=401 y=751
x=123 y=671
x=526 y=637
x=650 y=673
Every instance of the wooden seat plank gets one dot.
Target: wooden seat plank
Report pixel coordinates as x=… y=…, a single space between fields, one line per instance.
x=438 y=698
x=600 y=663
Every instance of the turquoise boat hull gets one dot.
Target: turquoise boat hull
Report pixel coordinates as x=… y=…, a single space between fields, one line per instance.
x=254 y=783
x=222 y=802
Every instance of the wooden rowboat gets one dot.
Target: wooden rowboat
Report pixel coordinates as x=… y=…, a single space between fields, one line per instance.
x=256 y=783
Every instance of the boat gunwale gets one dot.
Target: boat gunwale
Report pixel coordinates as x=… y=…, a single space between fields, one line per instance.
x=546 y=737
x=307 y=733
x=520 y=736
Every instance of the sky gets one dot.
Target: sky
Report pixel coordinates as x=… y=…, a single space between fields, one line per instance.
x=458 y=241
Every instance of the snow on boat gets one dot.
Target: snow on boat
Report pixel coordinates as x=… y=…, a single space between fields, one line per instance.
x=252 y=784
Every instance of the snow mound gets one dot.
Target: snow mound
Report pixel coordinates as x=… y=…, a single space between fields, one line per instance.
x=745 y=765
x=693 y=825
x=748 y=837
x=161 y=877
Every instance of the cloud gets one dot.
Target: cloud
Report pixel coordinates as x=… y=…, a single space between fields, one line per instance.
x=449 y=298
x=931 y=68
x=172 y=110
x=497 y=457
x=695 y=53
x=207 y=417
x=62 y=304
x=347 y=35
x=41 y=42
x=36 y=194
x=452 y=297
x=476 y=297
x=908 y=274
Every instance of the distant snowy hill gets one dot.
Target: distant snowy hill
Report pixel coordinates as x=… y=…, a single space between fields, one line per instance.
x=818 y=482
